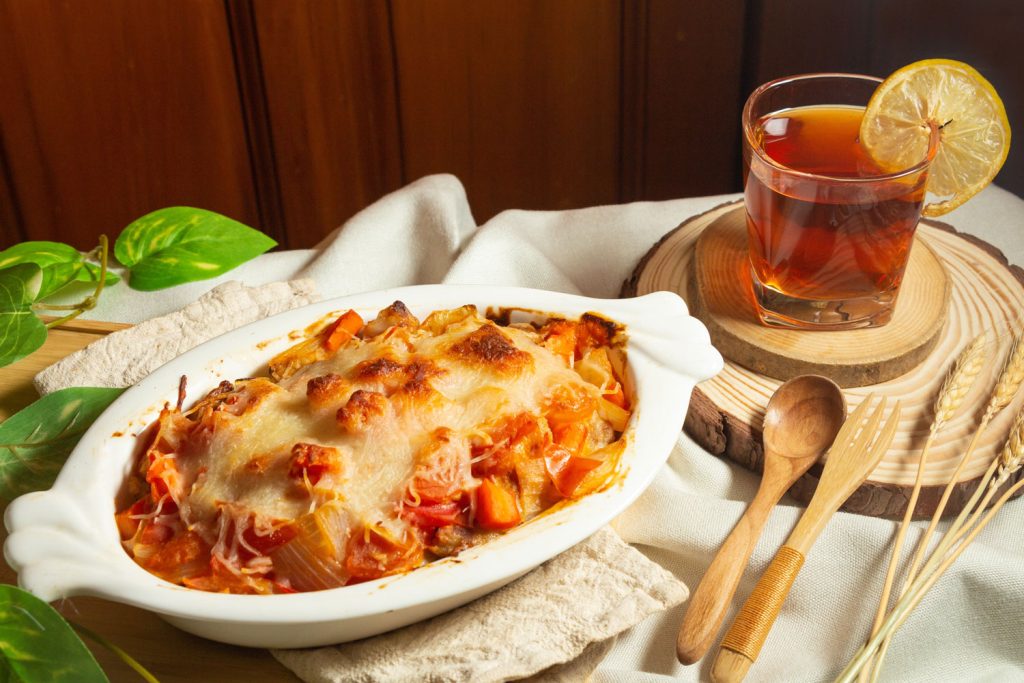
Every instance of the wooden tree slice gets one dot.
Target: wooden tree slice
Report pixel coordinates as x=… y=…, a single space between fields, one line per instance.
x=720 y=291
x=986 y=295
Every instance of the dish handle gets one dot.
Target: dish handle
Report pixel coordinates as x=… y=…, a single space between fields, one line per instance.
x=55 y=547
x=669 y=336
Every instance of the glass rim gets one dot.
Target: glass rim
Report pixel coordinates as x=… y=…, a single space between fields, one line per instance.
x=748 y=132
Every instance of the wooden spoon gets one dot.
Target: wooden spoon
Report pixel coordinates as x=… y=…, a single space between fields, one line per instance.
x=802 y=419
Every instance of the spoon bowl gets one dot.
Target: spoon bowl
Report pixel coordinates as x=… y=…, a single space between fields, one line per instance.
x=803 y=417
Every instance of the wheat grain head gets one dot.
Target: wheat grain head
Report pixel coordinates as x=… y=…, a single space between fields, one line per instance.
x=959 y=381
x=1012 y=456
x=1010 y=378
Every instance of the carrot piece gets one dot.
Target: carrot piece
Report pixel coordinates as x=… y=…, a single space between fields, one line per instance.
x=496 y=507
x=567 y=470
x=342 y=329
x=163 y=477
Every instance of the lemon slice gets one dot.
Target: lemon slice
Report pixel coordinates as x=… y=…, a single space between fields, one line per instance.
x=956 y=103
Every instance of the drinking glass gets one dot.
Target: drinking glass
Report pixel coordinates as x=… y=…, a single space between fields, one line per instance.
x=829 y=232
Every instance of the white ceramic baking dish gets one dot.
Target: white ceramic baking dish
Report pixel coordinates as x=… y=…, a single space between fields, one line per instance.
x=63 y=542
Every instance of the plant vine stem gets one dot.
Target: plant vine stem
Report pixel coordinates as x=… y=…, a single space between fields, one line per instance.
x=929 y=575
x=86 y=304
x=121 y=654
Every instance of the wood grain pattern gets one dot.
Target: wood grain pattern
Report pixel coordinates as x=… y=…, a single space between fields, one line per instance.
x=693 y=98
x=519 y=100
x=156 y=644
x=10 y=219
x=987 y=294
x=291 y=116
x=118 y=108
x=634 y=92
x=782 y=42
x=721 y=291
x=259 y=136
x=329 y=81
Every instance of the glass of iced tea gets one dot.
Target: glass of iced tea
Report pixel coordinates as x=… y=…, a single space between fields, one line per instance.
x=829 y=232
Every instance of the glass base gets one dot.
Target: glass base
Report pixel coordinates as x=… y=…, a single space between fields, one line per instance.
x=776 y=309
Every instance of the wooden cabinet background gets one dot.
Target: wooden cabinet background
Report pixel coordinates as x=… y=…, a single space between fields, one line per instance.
x=292 y=115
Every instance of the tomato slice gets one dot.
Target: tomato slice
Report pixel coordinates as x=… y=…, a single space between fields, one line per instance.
x=570 y=404
x=313 y=461
x=572 y=436
x=560 y=339
x=155 y=534
x=268 y=543
x=436 y=515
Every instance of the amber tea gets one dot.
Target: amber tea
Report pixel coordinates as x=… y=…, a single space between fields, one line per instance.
x=829 y=232
x=817 y=247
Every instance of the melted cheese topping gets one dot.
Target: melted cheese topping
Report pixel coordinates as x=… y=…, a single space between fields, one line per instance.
x=379 y=403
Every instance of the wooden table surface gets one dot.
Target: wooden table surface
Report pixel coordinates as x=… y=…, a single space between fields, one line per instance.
x=171 y=655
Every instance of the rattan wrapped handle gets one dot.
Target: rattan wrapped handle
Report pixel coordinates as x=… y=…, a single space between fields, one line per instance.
x=750 y=628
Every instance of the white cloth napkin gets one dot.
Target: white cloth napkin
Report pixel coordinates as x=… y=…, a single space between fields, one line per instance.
x=969 y=628
x=586 y=595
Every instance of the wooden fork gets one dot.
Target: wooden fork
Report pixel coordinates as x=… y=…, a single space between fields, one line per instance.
x=856 y=451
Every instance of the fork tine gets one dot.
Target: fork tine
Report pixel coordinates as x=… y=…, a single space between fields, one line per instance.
x=863 y=439
x=849 y=428
x=848 y=464
x=885 y=437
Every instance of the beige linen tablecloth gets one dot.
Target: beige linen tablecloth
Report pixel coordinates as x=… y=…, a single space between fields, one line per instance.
x=969 y=628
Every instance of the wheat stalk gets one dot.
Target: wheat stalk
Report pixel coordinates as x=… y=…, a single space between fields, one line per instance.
x=951 y=395
x=1009 y=381
x=1009 y=461
x=1010 y=378
x=931 y=573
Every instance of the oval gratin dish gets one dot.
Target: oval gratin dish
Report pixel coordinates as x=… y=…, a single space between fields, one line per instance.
x=64 y=542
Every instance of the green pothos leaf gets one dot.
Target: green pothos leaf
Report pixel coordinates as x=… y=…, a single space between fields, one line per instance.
x=40 y=253
x=180 y=244
x=36 y=644
x=61 y=264
x=35 y=442
x=21 y=332
x=19 y=286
